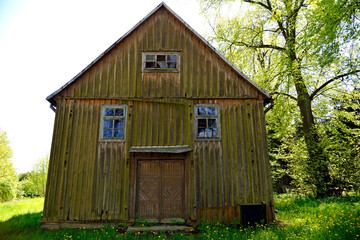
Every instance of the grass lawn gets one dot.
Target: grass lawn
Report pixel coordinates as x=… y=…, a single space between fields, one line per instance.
x=302 y=218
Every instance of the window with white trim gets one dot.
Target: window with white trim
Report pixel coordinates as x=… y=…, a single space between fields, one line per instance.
x=161 y=61
x=207 y=121
x=113 y=122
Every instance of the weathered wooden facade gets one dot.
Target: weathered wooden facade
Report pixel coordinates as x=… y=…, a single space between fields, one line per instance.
x=160 y=126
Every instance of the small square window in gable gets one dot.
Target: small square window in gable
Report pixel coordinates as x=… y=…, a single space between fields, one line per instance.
x=161 y=61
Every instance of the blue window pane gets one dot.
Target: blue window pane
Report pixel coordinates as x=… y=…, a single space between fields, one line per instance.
x=202 y=123
x=212 y=123
x=208 y=133
x=214 y=132
x=118 y=133
x=201 y=132
x=201 y=110
x=108 y=123
x=119 y=123
x=150 y=57
x=150 y=65
x=107 y=133
x=171 y=58
x=160 y=65
x=171 y=65
x=119 y=112
x=212 y=111
x=109 y=112
x=160 y=58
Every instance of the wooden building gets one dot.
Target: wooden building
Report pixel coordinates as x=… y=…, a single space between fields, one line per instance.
x=160 y=126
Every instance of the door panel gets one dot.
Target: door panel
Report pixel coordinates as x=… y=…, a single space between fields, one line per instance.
x=172 y=196
x=148 y=200
x=160 y=193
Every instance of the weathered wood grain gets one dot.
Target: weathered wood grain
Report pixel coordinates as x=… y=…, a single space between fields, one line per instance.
x=92 y=180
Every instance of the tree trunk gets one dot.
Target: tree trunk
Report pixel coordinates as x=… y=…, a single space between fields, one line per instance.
x=318 y=161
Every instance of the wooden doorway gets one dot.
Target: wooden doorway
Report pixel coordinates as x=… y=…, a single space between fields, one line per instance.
x=159 y=191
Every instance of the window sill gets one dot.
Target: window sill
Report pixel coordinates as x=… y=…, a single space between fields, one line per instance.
x=160 y=70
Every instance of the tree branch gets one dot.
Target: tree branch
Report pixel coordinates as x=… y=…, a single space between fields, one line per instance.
x=259 y=3
x=263 y=46
x=316 y=91
x=285 y=94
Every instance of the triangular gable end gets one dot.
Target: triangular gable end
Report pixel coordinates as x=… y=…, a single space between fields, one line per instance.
x=51 y=97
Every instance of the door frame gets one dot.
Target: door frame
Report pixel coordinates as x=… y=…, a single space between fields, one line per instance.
x=135 y=157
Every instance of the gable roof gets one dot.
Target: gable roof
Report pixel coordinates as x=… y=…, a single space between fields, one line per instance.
x=50 y=98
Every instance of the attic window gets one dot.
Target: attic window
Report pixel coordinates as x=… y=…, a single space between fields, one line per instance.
x=207 y=122
x=113 y=122
x=161 y=61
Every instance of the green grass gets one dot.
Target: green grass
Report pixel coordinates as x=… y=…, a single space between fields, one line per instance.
x=302 y=217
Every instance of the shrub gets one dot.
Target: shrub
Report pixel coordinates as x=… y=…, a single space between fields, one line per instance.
x=7 y=191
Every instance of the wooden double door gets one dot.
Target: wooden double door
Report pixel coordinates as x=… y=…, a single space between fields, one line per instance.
x=160 y=188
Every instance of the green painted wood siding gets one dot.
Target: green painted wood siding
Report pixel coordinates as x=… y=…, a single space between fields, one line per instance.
x=119 y=73
x=235 y=170
x=89 y=179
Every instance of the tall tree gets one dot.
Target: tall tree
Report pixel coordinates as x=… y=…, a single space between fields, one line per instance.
x=7 y=171
x=6 y=168
x=298 y=50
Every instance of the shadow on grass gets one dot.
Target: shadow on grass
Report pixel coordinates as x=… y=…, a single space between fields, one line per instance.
x=20 y=226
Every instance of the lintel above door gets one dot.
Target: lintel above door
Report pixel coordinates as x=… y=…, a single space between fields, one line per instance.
x=162 y=149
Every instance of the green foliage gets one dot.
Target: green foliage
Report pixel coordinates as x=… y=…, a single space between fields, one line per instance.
x=303 y=217
x=7 y=172
x=341 y=130
x=300 y=52
x=7 y=191
x=34 y=183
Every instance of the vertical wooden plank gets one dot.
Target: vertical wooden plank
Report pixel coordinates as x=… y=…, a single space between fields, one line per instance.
x=105 y=77
x=183 y=80
x=240 y=161
x=235 y=160
x=126 y=172
x=112 y=73
x=51 y=187
x=125 y=67
x=82 y=188
x=133 y=70
x=84 y=84
x=161 y=122
x=206 y=176
x=249 y=149
x=112 y=183
x=267 y=170
x=225 y=143
x=207 y=81
x=76 y=167
x=87 y=197
x=212 y=175
x=138 y=58
x=91 y=84
x=118 y=72
x=95 y=153
x=64 y=150
x=244 y=153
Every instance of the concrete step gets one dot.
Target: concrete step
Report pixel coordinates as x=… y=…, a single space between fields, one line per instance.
x=160 y=228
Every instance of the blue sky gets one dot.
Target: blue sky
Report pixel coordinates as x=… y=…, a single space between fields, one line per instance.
x=43 y=44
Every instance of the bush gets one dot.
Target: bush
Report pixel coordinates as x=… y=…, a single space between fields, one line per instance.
x=7 y=191
x=29 y=189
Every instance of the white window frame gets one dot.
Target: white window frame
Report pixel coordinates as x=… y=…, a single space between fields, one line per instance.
x=197 y=117
x=144 y=69
x=103 y=117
